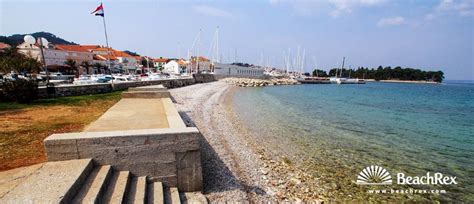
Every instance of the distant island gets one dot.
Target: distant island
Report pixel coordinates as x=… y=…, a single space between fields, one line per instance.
x=385 y=73
x=17 y=39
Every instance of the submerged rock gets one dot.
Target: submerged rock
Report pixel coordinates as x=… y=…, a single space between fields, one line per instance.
x=247 y=82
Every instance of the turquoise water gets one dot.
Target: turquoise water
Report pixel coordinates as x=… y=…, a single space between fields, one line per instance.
x=410 y=128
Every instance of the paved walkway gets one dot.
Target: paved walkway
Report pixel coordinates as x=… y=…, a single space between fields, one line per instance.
x=132 y=114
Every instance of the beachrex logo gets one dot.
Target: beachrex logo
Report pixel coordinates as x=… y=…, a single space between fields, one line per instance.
x=376 y=175
x=436 y=178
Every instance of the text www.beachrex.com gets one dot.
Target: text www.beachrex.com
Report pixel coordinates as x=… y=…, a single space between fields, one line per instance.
x=407 y=191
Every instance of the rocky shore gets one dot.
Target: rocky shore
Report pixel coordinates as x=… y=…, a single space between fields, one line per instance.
x=247 y=82
x=236 y=167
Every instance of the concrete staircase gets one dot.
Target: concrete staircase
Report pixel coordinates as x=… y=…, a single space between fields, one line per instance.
x=80 y=181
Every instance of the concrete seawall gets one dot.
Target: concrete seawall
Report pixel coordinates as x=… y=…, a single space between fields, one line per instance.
x=143 y=134
x=77 y=90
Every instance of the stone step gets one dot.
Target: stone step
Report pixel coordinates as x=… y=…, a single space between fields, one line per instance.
x=193 y=198
x=146 y=94
x=54 y=182
x=155 y=193
x=117 y=187
x=175 y=199
x=148 y=88
x=95 y=186
x=137 y=190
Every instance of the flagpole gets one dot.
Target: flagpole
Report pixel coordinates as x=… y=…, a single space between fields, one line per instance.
x=106 y=38
x=107 y=43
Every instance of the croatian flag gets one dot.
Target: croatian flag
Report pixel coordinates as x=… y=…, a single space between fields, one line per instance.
x=99 y=11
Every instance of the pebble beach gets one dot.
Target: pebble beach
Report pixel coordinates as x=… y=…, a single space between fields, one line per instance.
x=236 y=167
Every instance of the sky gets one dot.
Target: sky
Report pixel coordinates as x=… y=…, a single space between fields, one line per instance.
x=424 y=34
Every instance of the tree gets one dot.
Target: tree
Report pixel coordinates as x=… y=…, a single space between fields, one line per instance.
x=72 y=64
x=19 y=90
x=144 y=62
x=86 y=65
x=319 y=73
x=12 y=60
x=98 y=66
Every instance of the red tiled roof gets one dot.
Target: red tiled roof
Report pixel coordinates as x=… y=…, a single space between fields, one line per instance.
x=104 y=57
x=90 y=47
x=4 y=45
x=182 y=62
x=103 y=49
x=160 y=60
x=201 y=58
x=117 y=53
x=74 y=48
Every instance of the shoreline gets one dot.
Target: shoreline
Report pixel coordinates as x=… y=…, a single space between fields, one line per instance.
x=235 y=166
x=403 y=81
x=240 y=164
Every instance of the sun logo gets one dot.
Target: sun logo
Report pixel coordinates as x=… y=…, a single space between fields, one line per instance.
x=374 y=175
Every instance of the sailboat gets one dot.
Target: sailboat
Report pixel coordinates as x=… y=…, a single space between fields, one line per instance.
x=343 y=80
x=336 y=79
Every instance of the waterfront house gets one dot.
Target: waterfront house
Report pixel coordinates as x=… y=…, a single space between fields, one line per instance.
x=183 y=66
x=56 y=55
x=110 y=58
x=201 y=65
x=128 y=62
x=160 y=62
x=79 y=54
x=172 y=67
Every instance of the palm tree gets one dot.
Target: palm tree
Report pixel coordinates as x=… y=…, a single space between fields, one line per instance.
x=98 y=66
x=72 y=64
x=86 y=65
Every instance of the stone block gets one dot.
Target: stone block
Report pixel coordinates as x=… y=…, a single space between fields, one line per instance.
x=146 y=94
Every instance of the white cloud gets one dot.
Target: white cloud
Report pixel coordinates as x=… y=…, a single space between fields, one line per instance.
x=275 y=2
x=430 y=16
x=211 y=11
x=346 y=6
x=336 y=7
x=394 y=21
x=461 y=8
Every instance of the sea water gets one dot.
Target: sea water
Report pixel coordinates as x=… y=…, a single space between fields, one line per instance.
x=407 y=128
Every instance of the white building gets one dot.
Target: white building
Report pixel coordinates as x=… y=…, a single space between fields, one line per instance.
x=128 y=62
x=229 y=70
x=201 y=64
x=175 y=67
x=159 y=63
x=172 y=67
x=56 y=56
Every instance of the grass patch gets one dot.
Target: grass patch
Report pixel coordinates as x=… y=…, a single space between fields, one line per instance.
x=23 y=127
x=69 y=100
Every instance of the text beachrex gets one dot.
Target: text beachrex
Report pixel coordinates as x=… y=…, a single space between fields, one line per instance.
x=376 y=175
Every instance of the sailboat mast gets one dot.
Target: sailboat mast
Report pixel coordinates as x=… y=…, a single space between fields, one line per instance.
x=302 y=62
x=342 y=68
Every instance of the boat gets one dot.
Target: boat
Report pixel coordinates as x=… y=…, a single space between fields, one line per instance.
x=314 y=80
x=343 y=80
